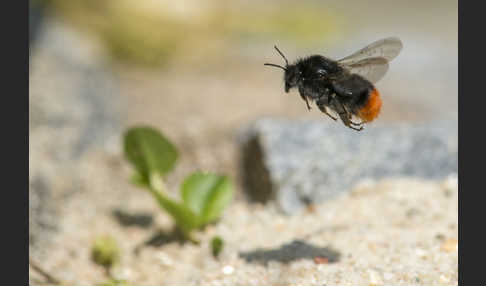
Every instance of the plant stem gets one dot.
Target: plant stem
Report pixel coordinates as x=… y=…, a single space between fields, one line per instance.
x=157 y=183
x=159 y=190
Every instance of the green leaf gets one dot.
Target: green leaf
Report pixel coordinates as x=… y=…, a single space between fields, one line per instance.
x=149 y=152
x=184 y=217
x=207 y=195
x=216 y=246
x=138 y=180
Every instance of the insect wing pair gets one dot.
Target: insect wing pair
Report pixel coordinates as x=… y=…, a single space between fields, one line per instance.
x=371 y=62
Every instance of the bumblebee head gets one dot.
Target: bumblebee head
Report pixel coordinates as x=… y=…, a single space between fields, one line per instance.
x=291 y=74
x=291 y=77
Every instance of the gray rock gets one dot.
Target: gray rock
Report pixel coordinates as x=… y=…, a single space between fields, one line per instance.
x=301 y=162
x=73 y=112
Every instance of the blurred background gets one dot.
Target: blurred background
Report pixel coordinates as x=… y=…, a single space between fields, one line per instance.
x=194 y=70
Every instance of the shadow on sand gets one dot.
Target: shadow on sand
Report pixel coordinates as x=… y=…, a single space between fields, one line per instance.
x=293 y=251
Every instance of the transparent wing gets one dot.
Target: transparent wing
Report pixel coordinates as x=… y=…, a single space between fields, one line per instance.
x=373 y=69
x=387 y=48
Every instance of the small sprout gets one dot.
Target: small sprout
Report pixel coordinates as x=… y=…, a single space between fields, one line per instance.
x=216 y=246
x=204 y=195
x=105 y=251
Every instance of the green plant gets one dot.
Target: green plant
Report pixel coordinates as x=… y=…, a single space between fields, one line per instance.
x=105 y=251
x=216 y=246
x=204 y=195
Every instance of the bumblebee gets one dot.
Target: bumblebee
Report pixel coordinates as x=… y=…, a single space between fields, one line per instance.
x=346 y=86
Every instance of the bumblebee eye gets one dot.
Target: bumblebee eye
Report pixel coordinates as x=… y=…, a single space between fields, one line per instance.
x=321 y=72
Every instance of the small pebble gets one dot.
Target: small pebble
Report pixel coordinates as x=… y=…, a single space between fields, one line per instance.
x=311 y=208
x=228 y=270
x=321 y=260
x=375 y=278
x=164 y=259
x=444 y=279
x=412 y=212
x=440 y=237
x=450 y=245
x=421 y=253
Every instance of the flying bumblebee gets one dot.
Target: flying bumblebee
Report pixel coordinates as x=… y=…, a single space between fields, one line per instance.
x=344 y=86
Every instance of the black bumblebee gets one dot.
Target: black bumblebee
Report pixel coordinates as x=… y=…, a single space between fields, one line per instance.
x=344 y=86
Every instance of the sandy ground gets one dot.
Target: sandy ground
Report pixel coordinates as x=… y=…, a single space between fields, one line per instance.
x=391 y=232
x=395 y=232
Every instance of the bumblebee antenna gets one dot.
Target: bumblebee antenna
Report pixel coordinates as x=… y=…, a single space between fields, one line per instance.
x=274 y=65
x=286 y=61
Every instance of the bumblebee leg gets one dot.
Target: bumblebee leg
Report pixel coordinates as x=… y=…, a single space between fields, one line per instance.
x=323 y=108
x=350 y=116
x=356 y=124
x=357 y=129
x=304 y=97
x=307 y=102
x=349 y=123
x=305 y=94
x=344 y=114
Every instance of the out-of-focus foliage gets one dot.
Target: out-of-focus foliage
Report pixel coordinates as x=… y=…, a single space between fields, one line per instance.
x=151 y=32
x=216 y=246
x=105 y=251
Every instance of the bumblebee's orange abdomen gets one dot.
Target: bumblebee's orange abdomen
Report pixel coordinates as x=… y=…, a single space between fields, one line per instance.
x=372 y=107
